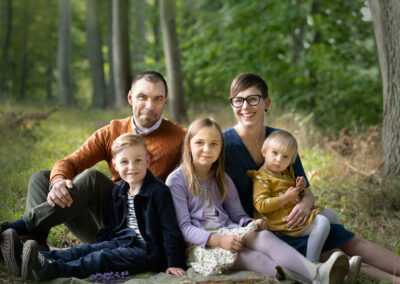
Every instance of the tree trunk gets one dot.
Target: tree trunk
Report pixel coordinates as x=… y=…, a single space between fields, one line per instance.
x=24 y=51
x=172 y=58
x=139 y=41
x=95 y=53
x=156 y=32
x=7 y=18
x=64 y=53
x=110 y=98
x=120 y=38
x=386 y=19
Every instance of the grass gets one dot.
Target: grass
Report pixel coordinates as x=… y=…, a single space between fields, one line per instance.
x=344 y=172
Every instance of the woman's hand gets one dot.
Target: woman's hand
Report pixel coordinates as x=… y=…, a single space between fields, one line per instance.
x=175 y=271
x=261 y=225
x=301 y=212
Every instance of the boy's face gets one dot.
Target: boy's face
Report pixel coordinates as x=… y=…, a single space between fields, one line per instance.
x=275 y=160
x=131 y=163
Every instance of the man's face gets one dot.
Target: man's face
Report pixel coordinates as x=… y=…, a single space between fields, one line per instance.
x=147 y=100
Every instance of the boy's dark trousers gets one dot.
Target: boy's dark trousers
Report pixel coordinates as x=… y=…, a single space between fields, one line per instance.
x=110 y=256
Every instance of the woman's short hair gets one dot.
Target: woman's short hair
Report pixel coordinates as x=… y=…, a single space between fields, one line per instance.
x=247 y=80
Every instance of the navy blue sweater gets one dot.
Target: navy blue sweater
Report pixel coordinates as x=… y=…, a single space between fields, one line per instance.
x=156 y=218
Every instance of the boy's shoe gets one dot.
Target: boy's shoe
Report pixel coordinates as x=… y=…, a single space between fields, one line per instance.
x=34 y=264
x=354 y=270
x=334 y=270
x=11 y=248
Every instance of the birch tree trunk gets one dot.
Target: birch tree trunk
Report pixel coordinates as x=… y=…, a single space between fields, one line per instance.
x=386 y=19
x=121 y=62
x=7 y=23
x=64 y=53
x=172 y=58
x=95 y=54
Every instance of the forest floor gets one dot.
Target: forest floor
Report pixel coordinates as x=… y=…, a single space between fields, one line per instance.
x=344 y=172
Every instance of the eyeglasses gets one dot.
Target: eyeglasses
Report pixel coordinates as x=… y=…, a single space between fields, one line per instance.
x=252 y=100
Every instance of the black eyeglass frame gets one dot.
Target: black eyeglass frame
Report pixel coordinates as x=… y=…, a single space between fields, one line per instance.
x=245 y=99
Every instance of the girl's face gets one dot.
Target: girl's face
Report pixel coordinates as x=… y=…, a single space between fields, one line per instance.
x=275 y=160
x=205 y=147
x=248 y=115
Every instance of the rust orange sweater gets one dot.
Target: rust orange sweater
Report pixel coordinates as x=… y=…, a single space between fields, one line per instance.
x=164 y=145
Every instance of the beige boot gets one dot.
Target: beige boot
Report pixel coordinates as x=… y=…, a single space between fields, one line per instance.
x=333 y=270
x=354 y=270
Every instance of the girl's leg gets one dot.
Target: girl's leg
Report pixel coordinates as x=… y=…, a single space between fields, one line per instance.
x=318 y=232
x=332 y=216
x=249 y=259
x=376 y=258
x=282 y=254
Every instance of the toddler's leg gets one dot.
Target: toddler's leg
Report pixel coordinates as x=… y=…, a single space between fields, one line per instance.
x=318 y=232
x=331 y=214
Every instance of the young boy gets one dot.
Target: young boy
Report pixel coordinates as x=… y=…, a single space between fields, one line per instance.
x=140 y=232
x=276 y=191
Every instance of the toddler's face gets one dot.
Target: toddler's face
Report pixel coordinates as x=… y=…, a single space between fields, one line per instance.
x=275 y=160
x=131 y=164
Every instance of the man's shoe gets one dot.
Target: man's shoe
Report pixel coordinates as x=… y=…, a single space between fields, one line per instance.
x=334 y=270
x=11 y=248
x=34 y=264
x=40 y=239
x=354 y=270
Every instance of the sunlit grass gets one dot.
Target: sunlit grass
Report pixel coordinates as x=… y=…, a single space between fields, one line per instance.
x=344 y=182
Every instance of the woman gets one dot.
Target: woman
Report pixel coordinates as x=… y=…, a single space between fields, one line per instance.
x=243 y=142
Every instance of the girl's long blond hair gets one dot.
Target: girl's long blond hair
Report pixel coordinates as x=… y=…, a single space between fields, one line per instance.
x=218 y=167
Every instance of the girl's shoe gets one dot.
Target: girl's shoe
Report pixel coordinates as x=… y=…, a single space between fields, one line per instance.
x=334 y=270
x=354 y=270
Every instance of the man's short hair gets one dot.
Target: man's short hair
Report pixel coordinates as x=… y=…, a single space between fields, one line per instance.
x=151 y=76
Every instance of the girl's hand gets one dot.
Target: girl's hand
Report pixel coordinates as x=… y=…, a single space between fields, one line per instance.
x=175 y=271
x=232 y=243
x=261 y=225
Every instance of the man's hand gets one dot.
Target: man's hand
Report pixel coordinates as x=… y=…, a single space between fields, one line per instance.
x=59 y=194
x=175 y=271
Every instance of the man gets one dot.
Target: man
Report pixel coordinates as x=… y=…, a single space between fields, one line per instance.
x=76 y=195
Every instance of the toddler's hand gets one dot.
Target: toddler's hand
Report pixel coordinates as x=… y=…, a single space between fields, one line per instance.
x=261 y=225
x=292 y=193
x=301 y=182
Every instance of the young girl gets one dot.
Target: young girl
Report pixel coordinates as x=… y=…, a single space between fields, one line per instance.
x=276 y=191
x=210 y=216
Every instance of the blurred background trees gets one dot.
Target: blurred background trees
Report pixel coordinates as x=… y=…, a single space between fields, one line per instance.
x=319 y=57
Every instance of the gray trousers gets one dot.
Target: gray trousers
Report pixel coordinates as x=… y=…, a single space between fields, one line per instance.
x=90 y=195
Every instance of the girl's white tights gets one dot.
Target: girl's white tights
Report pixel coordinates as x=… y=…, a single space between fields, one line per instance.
x=263 y=251
x=318 y=231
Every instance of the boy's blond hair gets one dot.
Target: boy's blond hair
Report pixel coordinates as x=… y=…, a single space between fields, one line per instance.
x=282 y=141
x=126 y=140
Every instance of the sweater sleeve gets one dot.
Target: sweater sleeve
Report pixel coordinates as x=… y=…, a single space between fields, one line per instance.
x=233 y=206
x=262 y=201
x=180 y=197
x=91 y=152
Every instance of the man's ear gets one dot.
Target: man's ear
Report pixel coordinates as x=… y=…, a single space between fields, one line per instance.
x=130 y=97
x=148 y=160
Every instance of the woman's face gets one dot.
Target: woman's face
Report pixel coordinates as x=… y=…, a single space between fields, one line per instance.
x=248 y=115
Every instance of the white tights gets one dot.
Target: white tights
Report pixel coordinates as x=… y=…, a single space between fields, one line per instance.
x=318 y=231
x=263 y=251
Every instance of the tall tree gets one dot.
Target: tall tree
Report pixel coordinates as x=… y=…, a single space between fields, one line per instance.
x=64 y=53
x=172 y=58
x=139 y=40
x=120 y=39
x=95 y=53
x=110 y=98
x=7 y=18
x=26 y=10
x=386 y=19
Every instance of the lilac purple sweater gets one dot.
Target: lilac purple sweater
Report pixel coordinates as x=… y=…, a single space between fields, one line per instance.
x=189 y=208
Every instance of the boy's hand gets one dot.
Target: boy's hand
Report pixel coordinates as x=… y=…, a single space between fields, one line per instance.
x=261 y=225
x=175 y=271
x=301 y=182
x=59 y=194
